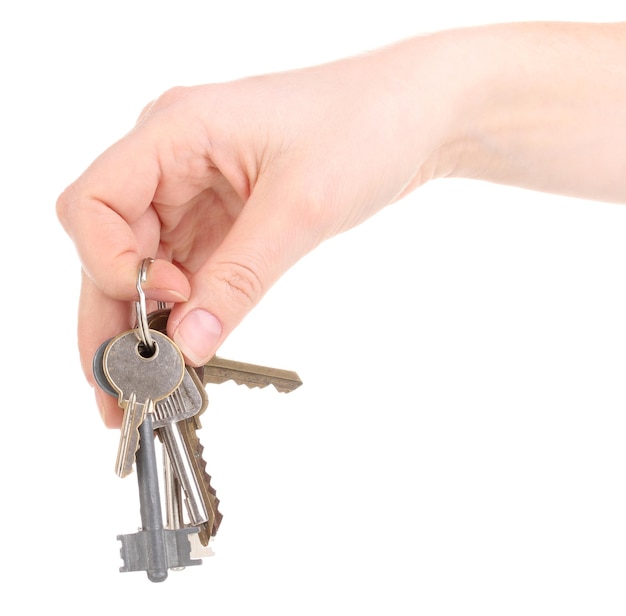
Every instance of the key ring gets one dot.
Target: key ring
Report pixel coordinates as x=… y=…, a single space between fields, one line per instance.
x=143 y=329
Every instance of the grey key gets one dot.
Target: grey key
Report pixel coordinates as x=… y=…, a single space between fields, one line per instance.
x=153 y=549
x=141 y=379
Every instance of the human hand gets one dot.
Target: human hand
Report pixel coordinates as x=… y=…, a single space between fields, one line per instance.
x=227 y=186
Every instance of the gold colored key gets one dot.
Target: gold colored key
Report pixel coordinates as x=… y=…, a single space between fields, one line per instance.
x=219 y=370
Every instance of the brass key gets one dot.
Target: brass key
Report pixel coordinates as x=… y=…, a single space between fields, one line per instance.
x=219 y=370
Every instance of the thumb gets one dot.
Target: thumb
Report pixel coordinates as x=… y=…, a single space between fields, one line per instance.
x=265 y=241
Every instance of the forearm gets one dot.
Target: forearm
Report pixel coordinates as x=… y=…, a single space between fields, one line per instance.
x=535 y=105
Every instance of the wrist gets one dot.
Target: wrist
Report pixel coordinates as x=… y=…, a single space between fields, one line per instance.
x=437 y=90
x=536 y=105
x=458 y=94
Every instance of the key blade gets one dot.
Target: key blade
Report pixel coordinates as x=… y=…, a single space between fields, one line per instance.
x=189 y=433
x=219 y=370
x=134 y=415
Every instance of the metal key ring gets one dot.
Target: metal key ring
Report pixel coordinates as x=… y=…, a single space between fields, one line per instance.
x=143 y=329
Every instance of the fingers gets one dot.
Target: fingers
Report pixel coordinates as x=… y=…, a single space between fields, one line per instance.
x=101 y=317
x=263 y=243
x=107 y=214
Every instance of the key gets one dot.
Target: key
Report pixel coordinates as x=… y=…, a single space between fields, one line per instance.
x=187 y=401
x=219 y=370
x=174 y=510
x=173 y=500
x=98 y=369
x=154 y=549
x=183 y=446
x=189 y=433
x=141 y=379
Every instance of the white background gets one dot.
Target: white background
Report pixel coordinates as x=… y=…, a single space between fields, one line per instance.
x=458 y=444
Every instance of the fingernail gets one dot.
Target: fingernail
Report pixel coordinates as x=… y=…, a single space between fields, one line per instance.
x=197 y=336
x=165 y=295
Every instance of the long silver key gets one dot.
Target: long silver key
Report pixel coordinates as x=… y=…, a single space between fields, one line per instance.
x=186 y=401
x=173 y=497
x=174 y=511
x=141 y=378
x=217 y=370
x=184 y=449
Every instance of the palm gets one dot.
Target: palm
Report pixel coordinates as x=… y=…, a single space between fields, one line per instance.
x=191 y=230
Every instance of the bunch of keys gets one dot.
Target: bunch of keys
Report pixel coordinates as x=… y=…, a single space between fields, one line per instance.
x=162 y=396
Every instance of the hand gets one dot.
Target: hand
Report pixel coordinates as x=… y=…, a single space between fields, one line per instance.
x=229 y=185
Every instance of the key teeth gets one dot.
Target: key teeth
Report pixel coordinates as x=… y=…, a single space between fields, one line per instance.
x=207 y=482
x=191 y=427
x=278 y=388
x=219 y=380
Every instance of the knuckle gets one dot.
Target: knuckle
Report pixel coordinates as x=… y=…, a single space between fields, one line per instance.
x=166 y=100
x=242 y=283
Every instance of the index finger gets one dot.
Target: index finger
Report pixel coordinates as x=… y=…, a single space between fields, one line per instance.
x=97 y=211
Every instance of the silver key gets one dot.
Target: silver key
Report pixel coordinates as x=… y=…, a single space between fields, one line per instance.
x=174 y=511
x=173 y=500
x=187 y=400
x=204 y=503
x=141 y=378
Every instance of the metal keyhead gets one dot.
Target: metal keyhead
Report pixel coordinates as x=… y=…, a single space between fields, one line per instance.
x=150 y=375
x=141 y=377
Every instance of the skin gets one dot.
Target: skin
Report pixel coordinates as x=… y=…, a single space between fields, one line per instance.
x=228 y=185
